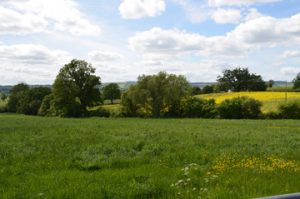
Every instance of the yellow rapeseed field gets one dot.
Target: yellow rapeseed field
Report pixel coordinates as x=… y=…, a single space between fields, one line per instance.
x=270 y=100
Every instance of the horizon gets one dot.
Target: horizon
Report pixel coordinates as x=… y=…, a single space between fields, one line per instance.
x=124 y=39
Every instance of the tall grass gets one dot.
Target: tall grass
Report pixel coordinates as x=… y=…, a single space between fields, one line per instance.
x=147 y=158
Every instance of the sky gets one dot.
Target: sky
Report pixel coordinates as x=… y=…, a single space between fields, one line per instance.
x=123 y=39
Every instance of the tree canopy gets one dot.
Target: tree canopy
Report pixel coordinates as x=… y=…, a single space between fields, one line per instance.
x=17 y=93
x=239 y=79
x=76 y=87
x=156 y=95
x=112 y=92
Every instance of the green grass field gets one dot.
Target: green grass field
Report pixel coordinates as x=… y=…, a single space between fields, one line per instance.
x=147 y=158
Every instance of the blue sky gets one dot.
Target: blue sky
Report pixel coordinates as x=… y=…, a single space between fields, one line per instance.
x=125 y=38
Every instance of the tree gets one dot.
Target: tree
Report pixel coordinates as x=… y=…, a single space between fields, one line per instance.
x=112 y=91
x=196 y=90
x=271 y=83
x=296 y=82
x=32 y=99
x=3 y=97
x=156 y=95
x=208 y=89
x=76 y=88
x=47 y=107
x=239 y=79
x=17 y=93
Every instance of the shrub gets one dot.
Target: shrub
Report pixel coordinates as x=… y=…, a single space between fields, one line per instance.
x=290 y=110
x=99 y=112
x=272 y=115
x=240 y=108
x=3 y=109
x=195 y=107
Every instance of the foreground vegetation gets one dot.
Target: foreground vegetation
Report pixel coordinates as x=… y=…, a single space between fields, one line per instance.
x=270 y=100
x=147 y=158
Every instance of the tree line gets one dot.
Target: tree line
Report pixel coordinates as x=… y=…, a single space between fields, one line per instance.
x=76 y=90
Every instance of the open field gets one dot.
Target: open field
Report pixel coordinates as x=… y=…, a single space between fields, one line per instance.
x=270 y=100
x=147 y=158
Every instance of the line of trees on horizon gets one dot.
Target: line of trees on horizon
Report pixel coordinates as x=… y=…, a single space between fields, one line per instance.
x=76 y=91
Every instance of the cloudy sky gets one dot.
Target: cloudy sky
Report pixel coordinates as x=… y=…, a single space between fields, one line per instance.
x=125 y=38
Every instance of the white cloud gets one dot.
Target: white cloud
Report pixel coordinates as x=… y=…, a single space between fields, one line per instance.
x=289 y=54
x=15 y=22
x=196 y=12
x=135 y=9
x=252 y=14
x=29 y=62
x=104 y=56
x=158 y=42
x=224 y=16
x=30 y=16
x=220 y=3
x=262 y=32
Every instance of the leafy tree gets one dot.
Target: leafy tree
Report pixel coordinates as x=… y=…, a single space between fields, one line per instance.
x=76 y=88
x=17 y=93
x=239 y=79
x=196 y=90
x=208 y=89
x=156 y=95
x=112 y=91
x=47 y=107
x=296 y=82
x=32 y=99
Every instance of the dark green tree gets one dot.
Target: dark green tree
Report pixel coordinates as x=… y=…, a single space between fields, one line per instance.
x=196 y=90
x=208 y=89
x=239 y=79
x=3 y=97
x=271 y=83
x=112 y=92
x=32 y=99
x=17 y=93
x=296 y=82
x=76 y=87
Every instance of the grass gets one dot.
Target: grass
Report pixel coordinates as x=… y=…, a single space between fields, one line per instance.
x=270 y=100
x=147 y=158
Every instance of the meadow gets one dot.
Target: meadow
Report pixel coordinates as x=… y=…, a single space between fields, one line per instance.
x=270 y=100
x=44 y=157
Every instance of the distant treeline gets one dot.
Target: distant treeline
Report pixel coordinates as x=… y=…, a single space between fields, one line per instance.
x=77 y=90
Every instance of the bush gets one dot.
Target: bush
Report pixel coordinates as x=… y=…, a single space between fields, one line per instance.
x=199 y=108
x=272 y=115
x=3 y=109
x=290 y=110
x=99 y=112
x=240 y=108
